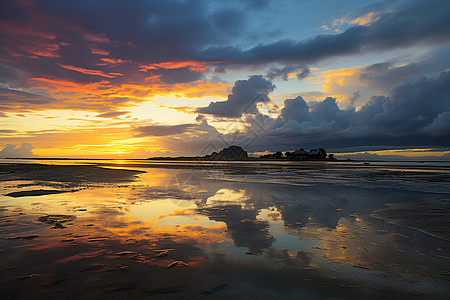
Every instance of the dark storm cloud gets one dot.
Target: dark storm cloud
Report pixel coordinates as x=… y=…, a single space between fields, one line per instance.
x=44 y=35
x=415 y=114
x=282 y=72
x=229 y=20
x=180 y=75
x=414 y=22
x=94 y=41
x=144 y=32
x=386 y=75
x=162 y=130
x=243 y=98
x=157 y=30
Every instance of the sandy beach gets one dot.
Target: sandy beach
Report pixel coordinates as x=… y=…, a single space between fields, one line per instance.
x=172 y=230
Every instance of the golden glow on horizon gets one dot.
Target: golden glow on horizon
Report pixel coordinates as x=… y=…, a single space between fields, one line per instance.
x=414 y=152
x=71 y=126
x=343 y=83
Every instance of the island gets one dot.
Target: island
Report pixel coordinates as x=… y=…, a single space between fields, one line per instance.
x=238 y=153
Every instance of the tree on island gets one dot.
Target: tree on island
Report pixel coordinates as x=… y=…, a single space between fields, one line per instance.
x=301 y=154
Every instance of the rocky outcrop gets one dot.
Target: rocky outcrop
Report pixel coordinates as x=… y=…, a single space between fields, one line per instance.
x=231 y=152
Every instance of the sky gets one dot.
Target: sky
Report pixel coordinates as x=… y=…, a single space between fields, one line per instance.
x=138 y=79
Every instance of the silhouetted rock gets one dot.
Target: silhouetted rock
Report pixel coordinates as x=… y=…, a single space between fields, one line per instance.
x=231 y=152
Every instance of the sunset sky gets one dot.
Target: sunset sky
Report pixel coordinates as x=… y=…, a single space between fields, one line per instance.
x=136 y=79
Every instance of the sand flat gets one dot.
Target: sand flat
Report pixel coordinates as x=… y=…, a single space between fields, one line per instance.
x=238 y=231
x=433 y=219
x=68 y=174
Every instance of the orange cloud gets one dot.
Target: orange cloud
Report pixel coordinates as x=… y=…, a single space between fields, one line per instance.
x=194 y=66
x=366 y=19
x=53 y=82
x=153 y=78
x=103 y=94
x=99 y=51
x=98 y=38
x=343 y=83
x=113 y=61
x=90 y=72
x=181 y=212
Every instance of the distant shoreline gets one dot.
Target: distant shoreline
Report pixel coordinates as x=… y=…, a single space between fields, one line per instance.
x=212 y=160
x=181 y=158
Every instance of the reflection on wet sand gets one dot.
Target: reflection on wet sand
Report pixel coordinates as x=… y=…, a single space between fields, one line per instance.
x=211 y=233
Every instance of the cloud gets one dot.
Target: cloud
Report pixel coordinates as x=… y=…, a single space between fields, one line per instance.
x=352 y=100
x=283 y=73
x=423 y=156
x=112 y=114
x=415 y=22
x=303 y=74
x=162 y=130
x=63 y=41
x=13 y=99
x=60 y=41
x=414 y=113
x=178 y=75
x=229 y=20
x=90 y=72
x=386 y=75
x=12 y=151
x=243 y=98
x=439 y=126
x=7 y=131
x=57 y=55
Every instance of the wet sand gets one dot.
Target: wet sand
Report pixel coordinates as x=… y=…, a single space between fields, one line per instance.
x=65 y=175
x=433 y=219
x=169 y=231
